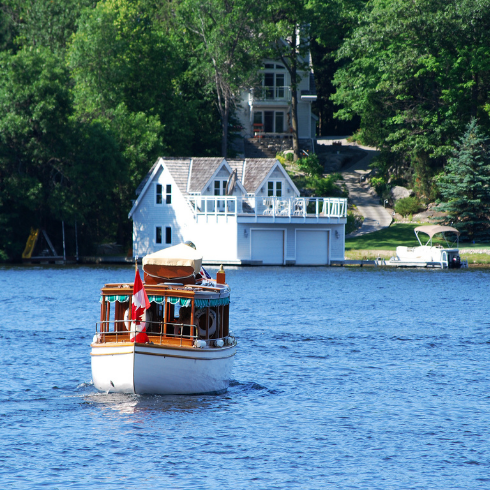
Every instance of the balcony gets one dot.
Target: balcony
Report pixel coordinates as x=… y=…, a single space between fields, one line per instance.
x=269 y=209
x=271 y=94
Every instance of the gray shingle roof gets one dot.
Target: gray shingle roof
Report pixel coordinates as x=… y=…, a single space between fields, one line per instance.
x=237 y=164
x=179 y=168
x=256 y=170
x=202 y=170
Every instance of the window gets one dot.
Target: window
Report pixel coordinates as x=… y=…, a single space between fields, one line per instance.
x=273 y=121
x=220 y=187
x=158 y=194
x=159 y=235
x=274 y=188
x=279 y=122
x=168 y=199
x=280 y=85
x=274 y=83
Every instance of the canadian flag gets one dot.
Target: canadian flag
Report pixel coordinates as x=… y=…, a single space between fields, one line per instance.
x=138 y=309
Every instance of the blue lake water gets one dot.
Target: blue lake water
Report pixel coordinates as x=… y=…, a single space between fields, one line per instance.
x=345 y=378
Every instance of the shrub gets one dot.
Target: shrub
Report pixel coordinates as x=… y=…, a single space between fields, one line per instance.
x=379 y=184
x=407 y=205
x=281 y=158
x=289 y=157
x=310 y=165
x=326 y=186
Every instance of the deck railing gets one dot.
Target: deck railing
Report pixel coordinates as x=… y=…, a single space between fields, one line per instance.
x=280 y=207
x=116 y=331
x=158 y=332
x=278 y=92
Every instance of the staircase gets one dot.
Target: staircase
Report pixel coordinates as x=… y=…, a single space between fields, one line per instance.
x=269 y=147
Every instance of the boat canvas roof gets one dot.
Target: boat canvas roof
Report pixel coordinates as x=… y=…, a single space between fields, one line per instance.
x=178 y=255
x=432 y=230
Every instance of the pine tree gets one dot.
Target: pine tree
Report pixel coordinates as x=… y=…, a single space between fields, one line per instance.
x=465 y=184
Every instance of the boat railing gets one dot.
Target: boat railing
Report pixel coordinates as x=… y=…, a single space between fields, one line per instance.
x=116 y=331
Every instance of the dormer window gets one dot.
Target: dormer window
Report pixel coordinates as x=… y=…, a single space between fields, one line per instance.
x=220 y=187
x=274 y=188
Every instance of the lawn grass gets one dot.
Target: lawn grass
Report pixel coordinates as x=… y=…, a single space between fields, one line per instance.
x=385 y=239
x=383 y=244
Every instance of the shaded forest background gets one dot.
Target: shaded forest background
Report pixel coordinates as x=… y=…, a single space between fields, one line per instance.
x=91 y=93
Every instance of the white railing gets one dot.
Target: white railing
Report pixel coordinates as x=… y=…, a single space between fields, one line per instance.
x=293 y=207
x=279 y=92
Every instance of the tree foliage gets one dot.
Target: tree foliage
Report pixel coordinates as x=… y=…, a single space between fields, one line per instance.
x=226 y=41
x=465 y=184
x=46 y=173
x=415 y=73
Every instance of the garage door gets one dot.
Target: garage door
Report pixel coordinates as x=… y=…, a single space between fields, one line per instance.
x=268 y=246
x=311 y=247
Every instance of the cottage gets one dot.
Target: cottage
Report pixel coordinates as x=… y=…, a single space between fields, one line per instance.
x=237 y=212
x=267 y=107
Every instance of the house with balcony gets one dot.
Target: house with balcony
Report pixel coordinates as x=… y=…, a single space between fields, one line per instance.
x=245 y=211
x=266 y=108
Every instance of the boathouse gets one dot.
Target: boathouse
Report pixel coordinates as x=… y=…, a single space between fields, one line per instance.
x=245 y=211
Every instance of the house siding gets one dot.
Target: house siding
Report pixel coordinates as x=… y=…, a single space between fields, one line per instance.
x=148 y=215
x=304 y=120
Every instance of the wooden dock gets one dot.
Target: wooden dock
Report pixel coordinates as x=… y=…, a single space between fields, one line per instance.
x=359 y=263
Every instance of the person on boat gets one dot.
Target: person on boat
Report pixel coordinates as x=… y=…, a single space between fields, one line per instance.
x=184 y=319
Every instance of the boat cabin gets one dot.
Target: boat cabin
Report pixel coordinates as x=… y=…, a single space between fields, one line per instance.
x=186 y=307
x=178 y=314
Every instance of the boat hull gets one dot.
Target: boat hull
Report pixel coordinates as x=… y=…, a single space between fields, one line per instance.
x=163 y=370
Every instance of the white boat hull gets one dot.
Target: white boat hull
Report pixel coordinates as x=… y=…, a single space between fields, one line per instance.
x=164 y=370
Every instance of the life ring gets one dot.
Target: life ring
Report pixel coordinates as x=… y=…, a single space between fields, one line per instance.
x=212 y=322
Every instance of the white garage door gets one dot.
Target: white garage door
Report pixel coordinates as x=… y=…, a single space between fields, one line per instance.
x=268 y=246
x=311 y=247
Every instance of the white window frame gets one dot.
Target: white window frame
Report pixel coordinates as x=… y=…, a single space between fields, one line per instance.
x=158 y=194
x=274 y=183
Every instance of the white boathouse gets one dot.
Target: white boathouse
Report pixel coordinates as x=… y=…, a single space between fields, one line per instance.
x=244 y=211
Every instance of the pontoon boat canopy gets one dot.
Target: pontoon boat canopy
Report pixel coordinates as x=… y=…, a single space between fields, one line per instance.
x=179 y=255
x=431 y=230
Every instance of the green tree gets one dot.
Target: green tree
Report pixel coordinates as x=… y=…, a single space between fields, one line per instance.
x=46 y=173
x=331 y=22
x=415 y=73
x=226 y=49
x=48 y=24
x=289 y=35
x=465 y=184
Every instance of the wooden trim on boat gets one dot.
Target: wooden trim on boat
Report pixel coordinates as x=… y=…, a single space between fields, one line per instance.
x=183 y=357
x=162 y=346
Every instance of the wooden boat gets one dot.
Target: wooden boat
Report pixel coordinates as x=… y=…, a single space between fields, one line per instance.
x=190 y=348
x=428 y=254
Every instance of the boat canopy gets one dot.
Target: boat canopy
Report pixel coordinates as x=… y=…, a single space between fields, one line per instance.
x=179 y=255
x=432 y=230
